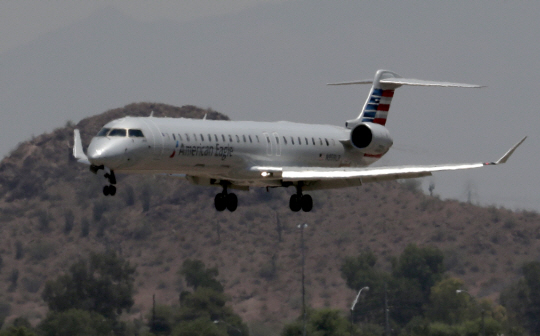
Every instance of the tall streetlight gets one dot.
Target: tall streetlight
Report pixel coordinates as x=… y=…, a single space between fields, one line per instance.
x=304 y=315
x=483 y=332
x=354 y=304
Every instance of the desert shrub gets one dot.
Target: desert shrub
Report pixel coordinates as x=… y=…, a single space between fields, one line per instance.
x=31 y=285
x=19 y=250
x=13 y=279
x=40 y=250
x=85 y=227
x=69 y=221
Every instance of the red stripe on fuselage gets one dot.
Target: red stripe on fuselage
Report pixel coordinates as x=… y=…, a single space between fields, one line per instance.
x=374 y=155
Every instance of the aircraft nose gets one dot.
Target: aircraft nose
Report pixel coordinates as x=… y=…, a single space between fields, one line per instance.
x=103 y=152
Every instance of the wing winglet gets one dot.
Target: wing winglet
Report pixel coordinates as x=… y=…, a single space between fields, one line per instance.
x=507 y=155
x=78 y=151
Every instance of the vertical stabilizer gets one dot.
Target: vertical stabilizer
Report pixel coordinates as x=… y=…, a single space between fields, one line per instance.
x=377 y=104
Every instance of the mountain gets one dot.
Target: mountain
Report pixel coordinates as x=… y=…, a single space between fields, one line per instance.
x=52 y=211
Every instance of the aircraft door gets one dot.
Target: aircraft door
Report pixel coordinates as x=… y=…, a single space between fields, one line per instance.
x=156 y=139
x=268 y=144
x=278 y=145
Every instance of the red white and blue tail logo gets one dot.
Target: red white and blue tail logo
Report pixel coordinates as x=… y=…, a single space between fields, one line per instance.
x=377 y=106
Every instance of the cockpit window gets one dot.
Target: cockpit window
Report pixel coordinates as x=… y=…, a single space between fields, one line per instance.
x=136 y=133
x=117 y=132
x=103 y=132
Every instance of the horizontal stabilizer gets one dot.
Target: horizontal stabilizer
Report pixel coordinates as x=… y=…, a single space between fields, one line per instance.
x=420 y=82
x=410 y=82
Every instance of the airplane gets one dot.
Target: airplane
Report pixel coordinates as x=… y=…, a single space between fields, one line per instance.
x=245 y=154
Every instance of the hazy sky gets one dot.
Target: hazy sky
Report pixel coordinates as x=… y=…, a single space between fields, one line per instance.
x=269 y=60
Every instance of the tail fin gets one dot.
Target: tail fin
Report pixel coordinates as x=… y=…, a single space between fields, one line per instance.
x=377 y=105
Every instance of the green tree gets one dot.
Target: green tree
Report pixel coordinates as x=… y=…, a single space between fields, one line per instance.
x=197 y=275
x=17 y=331
x=75 y=322
x=522 y=299
x=102 y=284
x=445 y=304
x=322 y=322
x=424 y=265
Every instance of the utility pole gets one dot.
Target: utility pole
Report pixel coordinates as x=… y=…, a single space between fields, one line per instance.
x=304 y=313
x=386 y=312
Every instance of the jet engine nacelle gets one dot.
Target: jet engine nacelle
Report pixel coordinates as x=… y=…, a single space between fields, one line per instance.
x=371 y=138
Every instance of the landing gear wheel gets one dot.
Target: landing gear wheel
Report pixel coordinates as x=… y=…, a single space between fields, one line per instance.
x=307 y=203
x=294 y=203
x=220 y=202
x=112 y=190
x=232 y=202
x=106 y=190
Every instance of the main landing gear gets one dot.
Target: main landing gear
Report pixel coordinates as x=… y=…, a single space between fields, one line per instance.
x=223 y=200
x=300 y=201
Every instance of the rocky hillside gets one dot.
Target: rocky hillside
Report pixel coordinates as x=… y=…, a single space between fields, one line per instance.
x=52 y=211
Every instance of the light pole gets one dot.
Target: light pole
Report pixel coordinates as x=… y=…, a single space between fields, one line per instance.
x=302 y=227
x=483 y=312
x=354 y=304
x=228 y=325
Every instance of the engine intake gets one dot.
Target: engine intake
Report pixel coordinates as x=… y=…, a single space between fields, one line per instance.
x=371 y=138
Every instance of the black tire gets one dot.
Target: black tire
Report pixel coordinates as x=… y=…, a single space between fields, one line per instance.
x=106 y=190
x=307 y=203
x=294 y=203
x=232 y=202
x=220 y=202
x=112 y=190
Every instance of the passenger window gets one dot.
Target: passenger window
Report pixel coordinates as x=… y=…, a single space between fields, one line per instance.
x=118 y=132
x=215 y=137
x=277 y=139
x=250 y=141
x=103 y=132
x=180 y=137
x=299 y=141
x=187 y=137
x=307 y=141
x=244 y=137
x=257 y=138
x=223 y=137
x=237 y=138
x=230 y=138
x=320 y=140
x=292 y=140
x=194 y=137
x=284 y=140
x=135 y=133
x=313 y=139
x=202 y=137
x=174 y=136
x=327 y=143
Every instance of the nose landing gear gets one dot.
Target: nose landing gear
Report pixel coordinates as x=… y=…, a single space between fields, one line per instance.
x=223 y=201
x=110 y=189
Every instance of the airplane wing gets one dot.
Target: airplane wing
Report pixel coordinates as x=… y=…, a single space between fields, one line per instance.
x=322 y=178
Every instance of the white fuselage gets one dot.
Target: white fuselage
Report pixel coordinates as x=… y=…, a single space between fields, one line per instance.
x=217 y=149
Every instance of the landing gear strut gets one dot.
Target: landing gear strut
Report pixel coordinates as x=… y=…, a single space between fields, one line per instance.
x=300 y=201
x=223 y=200
x=110 y=189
